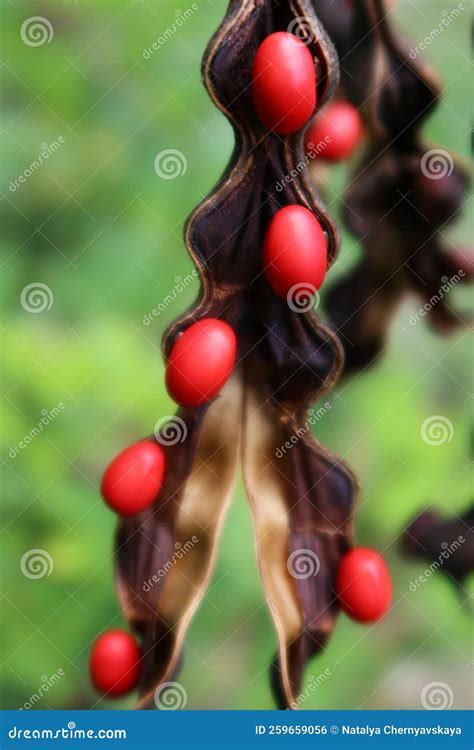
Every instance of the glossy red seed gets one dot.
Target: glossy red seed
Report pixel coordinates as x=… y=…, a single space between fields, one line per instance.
x=335 y=132
x=363 y=585
x=114 y=663
x=294 y=251
x=134 y=478
x=283 y=83
x=200 y=362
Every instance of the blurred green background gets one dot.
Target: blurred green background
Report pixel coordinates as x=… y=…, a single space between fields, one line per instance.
x=103 y=231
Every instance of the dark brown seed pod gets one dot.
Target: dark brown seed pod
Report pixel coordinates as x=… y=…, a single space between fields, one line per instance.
x=446 y=542
x=302 y=496
x=403 y=191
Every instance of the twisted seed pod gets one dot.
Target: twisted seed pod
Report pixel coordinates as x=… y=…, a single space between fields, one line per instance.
x=446 y=541
x=402 y=193
x=302 y=500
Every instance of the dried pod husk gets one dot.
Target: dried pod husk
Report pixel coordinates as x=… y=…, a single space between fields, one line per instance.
x=446 y=542
x=402 y=193
x=302 y=498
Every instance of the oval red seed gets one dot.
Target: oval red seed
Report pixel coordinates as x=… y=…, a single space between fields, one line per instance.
x=363 y=585
x=114 y=663
x=134 y=478
x=335 y=133
x=200 y=362
x=283 y=83
x=294 y=251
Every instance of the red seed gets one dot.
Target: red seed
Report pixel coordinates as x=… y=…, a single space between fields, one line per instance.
x=294 y=251
x=200 y=362
x=134 y=478
x=114 y=663
x=363 y=585
x=335 y=133
x=283 y=83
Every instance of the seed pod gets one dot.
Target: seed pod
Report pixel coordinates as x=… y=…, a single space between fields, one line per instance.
x=447 y=542
x=287 y=359
x=403 y=191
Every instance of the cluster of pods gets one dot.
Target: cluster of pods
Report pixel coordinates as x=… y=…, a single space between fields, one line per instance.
x=204 y=356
